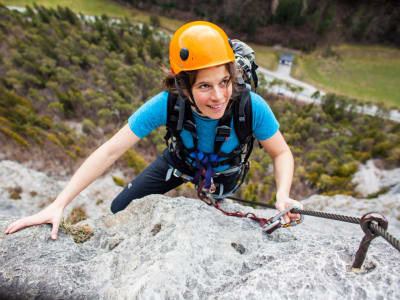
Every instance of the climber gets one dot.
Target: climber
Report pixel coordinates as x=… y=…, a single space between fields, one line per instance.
x=212 y=120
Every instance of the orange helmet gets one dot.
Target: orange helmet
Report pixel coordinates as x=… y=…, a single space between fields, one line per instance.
x=198 y=45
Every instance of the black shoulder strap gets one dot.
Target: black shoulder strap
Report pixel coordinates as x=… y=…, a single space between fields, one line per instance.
x=243 y=117
x=179 y=116
x=172 y=114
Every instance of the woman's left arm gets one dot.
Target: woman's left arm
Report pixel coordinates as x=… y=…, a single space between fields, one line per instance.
x=282 y=157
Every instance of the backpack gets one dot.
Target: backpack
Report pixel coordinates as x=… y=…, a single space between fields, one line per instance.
x=245 y=59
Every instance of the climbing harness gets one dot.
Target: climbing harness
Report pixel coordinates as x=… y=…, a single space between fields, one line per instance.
x=207 y=194
x=200 y=165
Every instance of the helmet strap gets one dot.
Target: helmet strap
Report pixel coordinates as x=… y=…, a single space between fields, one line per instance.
x=181 y=94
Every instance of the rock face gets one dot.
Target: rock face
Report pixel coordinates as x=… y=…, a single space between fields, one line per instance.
x=370 y=179
x=179 y=248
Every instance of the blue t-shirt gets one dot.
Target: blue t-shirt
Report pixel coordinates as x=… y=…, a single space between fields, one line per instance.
x=153 y=114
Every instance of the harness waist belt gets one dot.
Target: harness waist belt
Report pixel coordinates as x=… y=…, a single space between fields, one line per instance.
x=177 y=173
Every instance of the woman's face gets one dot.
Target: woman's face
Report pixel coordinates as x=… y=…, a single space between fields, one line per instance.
x=212 y=91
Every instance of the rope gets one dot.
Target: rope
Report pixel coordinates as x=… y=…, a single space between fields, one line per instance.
x=375 y=228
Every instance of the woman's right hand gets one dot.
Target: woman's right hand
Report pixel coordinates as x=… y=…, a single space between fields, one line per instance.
x=52 y=214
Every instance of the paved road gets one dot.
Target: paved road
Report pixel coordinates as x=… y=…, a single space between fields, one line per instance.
x=283 y=73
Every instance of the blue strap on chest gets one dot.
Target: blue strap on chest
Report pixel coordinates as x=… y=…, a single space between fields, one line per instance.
x=204 y=164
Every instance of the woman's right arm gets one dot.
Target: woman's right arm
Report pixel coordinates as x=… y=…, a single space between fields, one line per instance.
x=94 y=166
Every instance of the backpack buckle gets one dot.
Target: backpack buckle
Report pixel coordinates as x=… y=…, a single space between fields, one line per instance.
x=222 y=133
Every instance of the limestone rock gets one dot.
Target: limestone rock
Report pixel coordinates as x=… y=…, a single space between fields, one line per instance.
x=179 y=248
x=192 y=257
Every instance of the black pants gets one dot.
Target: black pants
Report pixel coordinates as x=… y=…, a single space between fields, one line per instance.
x=152 y=181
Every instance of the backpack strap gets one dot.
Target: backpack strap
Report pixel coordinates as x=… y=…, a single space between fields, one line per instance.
x=254 y=75
x=223 y=130
x=243 y=123
x=179 y=117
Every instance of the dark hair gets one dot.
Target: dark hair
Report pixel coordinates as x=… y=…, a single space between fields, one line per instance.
x=168 y=83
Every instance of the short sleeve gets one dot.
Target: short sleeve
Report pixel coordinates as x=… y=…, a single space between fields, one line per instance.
x=151 y=115
x=265 y=125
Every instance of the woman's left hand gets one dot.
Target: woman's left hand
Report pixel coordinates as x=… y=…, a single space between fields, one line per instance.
x=283 y=202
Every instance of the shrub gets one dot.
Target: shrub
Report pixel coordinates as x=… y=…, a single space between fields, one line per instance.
x=118 y=181
x=382 y=149
x=88 y=126
x=135 y=161
x=53 y=138
x=16 y=137
x=250 y=193
x=155 y=21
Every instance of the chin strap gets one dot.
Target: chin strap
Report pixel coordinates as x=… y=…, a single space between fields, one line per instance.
x=182 y=95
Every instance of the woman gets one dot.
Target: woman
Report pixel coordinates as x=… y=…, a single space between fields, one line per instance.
x=203 y=66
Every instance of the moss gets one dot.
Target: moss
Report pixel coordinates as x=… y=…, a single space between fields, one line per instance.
x=77 y=214
x=80 y=234
x=15 y=192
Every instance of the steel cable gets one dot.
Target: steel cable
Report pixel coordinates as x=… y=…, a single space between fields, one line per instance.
x=375 y=228
x=386 y=235
x=325 y=215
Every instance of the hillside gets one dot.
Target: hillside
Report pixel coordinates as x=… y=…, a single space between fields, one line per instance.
x=68 y=83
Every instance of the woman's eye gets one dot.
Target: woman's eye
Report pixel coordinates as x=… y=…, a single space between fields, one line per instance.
x=204 y=86
x=225 y=82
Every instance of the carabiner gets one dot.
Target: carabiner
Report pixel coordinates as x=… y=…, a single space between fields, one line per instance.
x=278 y=221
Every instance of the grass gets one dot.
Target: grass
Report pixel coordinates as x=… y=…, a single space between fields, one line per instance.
x=370 y=73
x=266 y=56
x=97 y=8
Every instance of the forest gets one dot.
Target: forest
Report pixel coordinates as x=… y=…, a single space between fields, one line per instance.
x=298 y=24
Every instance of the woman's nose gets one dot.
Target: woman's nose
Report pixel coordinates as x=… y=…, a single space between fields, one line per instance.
x=218 y=93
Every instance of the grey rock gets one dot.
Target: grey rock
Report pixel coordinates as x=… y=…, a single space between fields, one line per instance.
x=192 y=258
x=180 y=248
